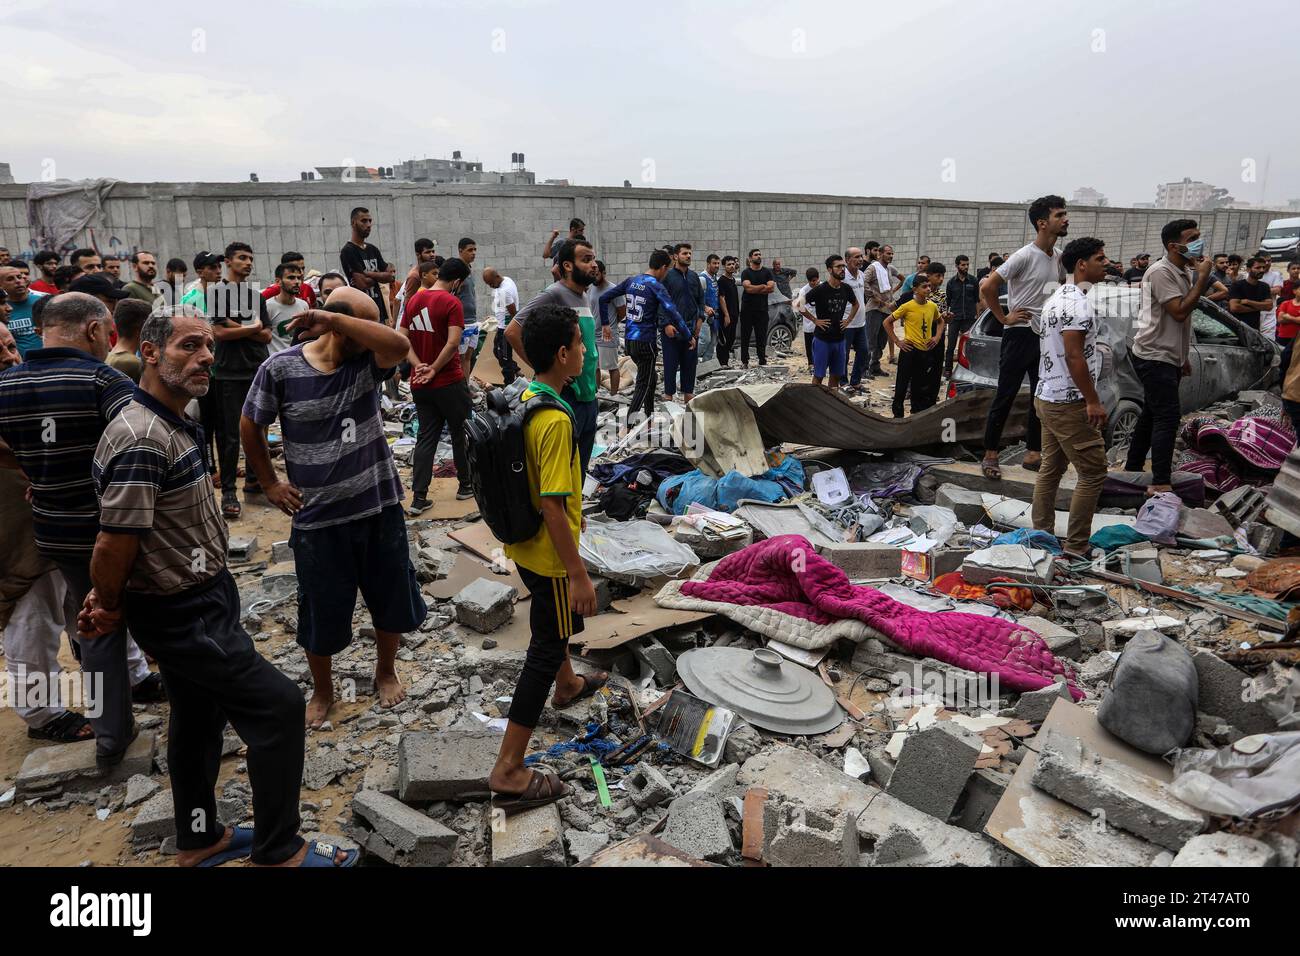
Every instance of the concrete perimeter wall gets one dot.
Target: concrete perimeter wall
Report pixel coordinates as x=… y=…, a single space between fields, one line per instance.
x=510 y=224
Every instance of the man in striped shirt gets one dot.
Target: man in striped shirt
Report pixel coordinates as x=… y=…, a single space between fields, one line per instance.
x=53 y=408
x=343 y=491
x=160 y=562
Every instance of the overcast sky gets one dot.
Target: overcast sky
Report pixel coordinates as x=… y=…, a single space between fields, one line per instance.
x=964 y=100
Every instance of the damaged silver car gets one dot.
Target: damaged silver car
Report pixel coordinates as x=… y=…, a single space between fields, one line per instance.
x=1227 y=356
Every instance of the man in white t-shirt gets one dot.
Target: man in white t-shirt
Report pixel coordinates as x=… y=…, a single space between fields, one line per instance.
x=857 y=335
x=1031 y=273
x=284 y=305
x=882 y=282
x=798 y=303
x=1066 y=398
x=505 y=303
x=1273 y=279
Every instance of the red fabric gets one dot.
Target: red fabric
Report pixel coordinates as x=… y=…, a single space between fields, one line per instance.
x=40 y=285
x=427 y=317
x=305 y=292
x=787 y=575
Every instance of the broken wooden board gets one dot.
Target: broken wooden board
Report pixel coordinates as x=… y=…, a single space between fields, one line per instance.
x=1049 y=832
x=467 y=569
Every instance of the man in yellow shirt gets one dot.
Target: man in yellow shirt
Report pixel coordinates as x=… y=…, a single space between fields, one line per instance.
x=918 y=352
x=548 y=562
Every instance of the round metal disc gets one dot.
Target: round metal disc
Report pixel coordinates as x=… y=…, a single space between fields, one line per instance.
x=763 y=687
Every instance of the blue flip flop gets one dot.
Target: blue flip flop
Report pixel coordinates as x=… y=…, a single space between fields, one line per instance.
x=322 y=854
x=241 y=845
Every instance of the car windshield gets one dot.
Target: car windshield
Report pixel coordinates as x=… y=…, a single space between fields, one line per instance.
x=1283 y=232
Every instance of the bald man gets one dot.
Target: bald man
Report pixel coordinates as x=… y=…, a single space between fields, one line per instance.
x=342 y=488
x=505 y=303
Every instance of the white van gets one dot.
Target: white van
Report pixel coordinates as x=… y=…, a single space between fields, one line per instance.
x=1282 y=239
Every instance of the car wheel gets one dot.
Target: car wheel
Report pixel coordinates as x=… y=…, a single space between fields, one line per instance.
x=1120 y=427
x=779 y=340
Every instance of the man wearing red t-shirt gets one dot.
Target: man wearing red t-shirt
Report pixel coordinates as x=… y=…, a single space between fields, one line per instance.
x=1288 y=318
x=305 y=292
x=46 y=261
x=433 y=321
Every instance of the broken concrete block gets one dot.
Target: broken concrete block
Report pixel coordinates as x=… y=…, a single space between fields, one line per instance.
x=280 y=551
x=397 y=834
x=484 y=604
x=697 y=825
x=1223 y=691
x=1203 y=524
x=648 y=787
x=1286 y=848
x=583 y=844
x=1129 y=799
x=983 y=791
x=241 y=549
x=1224 y=849
x=1264 y=538
x=658 y=658
x=154 y=822
x=381 y=777
x=1141 y=561
x=721 y=783
x=1034 y=705
x=1153 y=696
x=604 y=589
x=864 y=560
x=1062 y=642
x=531 y=838
x=432 y=564
x=450 y=765
x=138 y=789
x=800 y=776
x=322 y=767
x=933 y=767
x=49 y=771
x=1117 y=632
x=808 y=837
x=1015 y=561
x=966 y=504
x=1240 y=505
x=742 y=743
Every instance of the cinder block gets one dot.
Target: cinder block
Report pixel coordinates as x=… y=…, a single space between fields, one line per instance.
x=531 y=838
x=484 y=604
x=1221 y=691
x=397 y=834
x=697 y=825
x=1034 y=705
x=864 y=560
x=933 y=768
x=648 y=787
x=451 y=765
x=983 y=791
x=802 y=836
x=1129 y=799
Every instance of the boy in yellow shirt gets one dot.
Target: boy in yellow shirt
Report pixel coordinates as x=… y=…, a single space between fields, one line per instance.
x=918 y=352
x=548 y=562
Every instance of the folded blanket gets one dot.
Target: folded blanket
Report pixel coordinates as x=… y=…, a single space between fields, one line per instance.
x=782 y=588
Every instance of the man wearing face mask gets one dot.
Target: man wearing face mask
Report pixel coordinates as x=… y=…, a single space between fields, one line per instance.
x=1171 y=288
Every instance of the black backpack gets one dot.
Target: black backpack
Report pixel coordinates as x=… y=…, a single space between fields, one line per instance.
x=498 y=466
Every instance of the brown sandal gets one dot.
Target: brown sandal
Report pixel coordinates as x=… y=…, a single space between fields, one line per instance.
x=990 y=470
x=543 y=788
x=590 y=684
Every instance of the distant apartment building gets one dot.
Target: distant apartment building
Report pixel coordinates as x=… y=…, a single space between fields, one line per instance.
x=1087 y=196
x=1187 y=194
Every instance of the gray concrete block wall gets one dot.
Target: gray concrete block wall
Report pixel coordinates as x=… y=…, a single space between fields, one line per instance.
x=799 y=234
x=510 y=224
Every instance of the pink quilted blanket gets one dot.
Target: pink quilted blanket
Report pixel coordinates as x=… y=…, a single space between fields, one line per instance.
x=785 y=574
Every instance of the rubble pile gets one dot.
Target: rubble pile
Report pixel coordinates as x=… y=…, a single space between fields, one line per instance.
x=828 y=743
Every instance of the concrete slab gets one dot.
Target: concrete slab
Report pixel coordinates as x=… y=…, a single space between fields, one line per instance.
x=451 y=765
x=1224 y=849
x=48 y=771
x=398 y=834
x=531 y=838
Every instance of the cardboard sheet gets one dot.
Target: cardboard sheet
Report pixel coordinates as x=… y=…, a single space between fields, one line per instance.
x=480 y=539
x=1049 y=832
x=467 y=569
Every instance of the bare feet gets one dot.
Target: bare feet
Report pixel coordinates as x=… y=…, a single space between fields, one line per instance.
x=1158 y=489
x=318 y=708
x=297 y=858
x=389 y=689
x=1032 y=460
x=195 y=857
